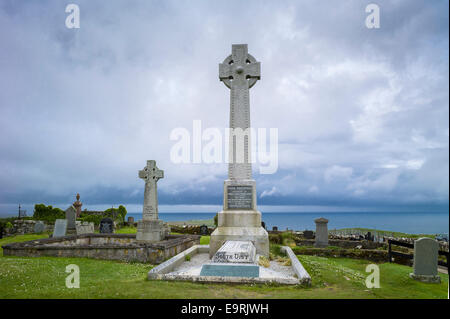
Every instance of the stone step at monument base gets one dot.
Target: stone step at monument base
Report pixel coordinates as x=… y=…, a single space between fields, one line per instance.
x=236 y=252
x=426 y=278
x=230 y=270
x=151 y=230
x=257 y=235
x=237 y=218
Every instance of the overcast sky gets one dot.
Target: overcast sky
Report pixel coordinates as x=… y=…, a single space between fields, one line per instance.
x=362 y=114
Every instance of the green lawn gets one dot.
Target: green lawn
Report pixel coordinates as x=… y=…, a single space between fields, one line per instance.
x=44 y=277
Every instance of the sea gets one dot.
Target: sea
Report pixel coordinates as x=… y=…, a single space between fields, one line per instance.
x=412 y=223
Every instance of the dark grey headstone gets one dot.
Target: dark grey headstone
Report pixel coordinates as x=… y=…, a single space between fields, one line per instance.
x=240 y=197
x=263 y=225
x=71 y=216
x=60 y=228
x=274 y=228
x=204 y=230
x=106 y=226
x=308 y=234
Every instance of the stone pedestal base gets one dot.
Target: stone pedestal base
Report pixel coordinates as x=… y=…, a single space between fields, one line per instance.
x=151 y=230
x=240 y=225
x=426 y=278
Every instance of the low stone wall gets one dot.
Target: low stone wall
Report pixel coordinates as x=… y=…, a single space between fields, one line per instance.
x=375 y=255
x=369 y=254
x=189 y=229
x=104 y=246
x=24 y=226
x=365 y=244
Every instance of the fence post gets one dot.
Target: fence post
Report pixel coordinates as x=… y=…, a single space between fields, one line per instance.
x=389 y=250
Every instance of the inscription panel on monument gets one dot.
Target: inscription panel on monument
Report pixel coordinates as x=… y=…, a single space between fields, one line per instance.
x=240 y=197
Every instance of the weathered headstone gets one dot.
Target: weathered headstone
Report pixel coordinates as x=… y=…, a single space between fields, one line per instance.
x=106 y=226
x=274 y=228
x=39 y=227
x=308 y=234
x=150 y=228
x=71 y=217
x=239 y=219
x=236 y=252
x=426 y=251
x=204 y=230
x=84 y=227
x=130 y=221
x=60 y=228
x=321 y=232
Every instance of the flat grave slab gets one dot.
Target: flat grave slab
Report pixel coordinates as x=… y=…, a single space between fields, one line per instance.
x=230 y=270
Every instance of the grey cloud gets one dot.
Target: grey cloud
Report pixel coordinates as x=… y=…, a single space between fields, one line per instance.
x=82 y=110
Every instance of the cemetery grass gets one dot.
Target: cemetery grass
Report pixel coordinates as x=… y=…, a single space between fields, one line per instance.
x=44 y=277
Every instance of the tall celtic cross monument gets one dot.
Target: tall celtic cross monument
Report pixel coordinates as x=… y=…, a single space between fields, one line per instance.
x=150 y=228
x=240 y=220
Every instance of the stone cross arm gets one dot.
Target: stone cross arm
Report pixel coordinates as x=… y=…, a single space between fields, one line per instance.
x=151 y=172
x=239 y=66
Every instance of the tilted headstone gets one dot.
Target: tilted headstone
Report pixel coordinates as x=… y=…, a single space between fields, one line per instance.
x=426 y=252
x=39 y=227
x=106 y=226
x=321 y=232
x=60 y=228
x=236 y=252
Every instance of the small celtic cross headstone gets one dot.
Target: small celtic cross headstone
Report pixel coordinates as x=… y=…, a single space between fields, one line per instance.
x=151 y=174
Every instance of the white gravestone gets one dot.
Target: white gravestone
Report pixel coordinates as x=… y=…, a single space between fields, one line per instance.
x=239 y=219
x=60 y=228
x=321 y=232
x=150 y=228
x=426 y=260
x=236 y=252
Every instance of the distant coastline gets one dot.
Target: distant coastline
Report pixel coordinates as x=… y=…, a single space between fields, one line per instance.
x=412 y=223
